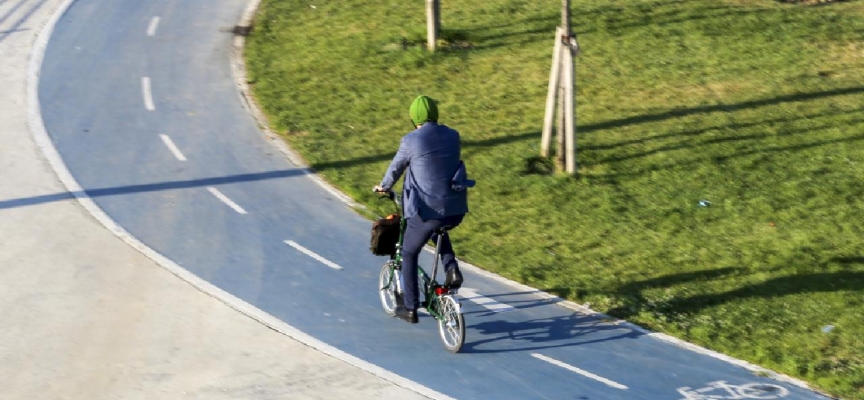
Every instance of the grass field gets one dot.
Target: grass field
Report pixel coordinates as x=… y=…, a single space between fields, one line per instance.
x=752 y=105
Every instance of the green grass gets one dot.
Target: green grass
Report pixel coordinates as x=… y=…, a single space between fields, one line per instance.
x=754 y=105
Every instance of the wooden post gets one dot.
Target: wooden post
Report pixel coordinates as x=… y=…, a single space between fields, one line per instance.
x=562 y=81
x=569 y=110
x=569 y=80
x=560 y=154
x=565 y=16
x=433 y=23
x=437 y=19
x=549 y=118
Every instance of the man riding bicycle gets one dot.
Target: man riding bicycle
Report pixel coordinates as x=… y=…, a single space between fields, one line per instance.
x=434 y=196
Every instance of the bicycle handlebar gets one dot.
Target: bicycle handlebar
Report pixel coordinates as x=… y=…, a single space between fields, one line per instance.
x=386 y=193
x=389 y=194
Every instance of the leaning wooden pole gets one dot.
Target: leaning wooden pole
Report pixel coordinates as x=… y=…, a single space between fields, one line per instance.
x=549 y=118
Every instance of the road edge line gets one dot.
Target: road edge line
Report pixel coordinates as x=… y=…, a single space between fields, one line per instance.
x=43 y=141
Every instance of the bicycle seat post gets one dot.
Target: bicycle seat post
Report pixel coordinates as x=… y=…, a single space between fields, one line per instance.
x=441 y=232
x=437 y=253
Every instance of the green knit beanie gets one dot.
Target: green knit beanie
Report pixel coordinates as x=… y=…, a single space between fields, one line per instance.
x=423 y=109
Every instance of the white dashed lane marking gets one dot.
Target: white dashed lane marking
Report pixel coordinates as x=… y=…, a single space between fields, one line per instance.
x=312 y=254
x=154 y=24
x=147 y=92
x=582 y=372
x=172 y=147
x=485 y=302
x=226 y=200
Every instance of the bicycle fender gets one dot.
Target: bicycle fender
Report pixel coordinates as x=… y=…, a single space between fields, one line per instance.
x=457 y=302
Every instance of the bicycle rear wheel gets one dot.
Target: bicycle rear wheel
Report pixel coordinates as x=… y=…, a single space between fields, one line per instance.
x=451 y=325
x=387 y=289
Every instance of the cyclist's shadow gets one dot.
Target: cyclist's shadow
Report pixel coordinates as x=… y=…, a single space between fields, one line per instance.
x=537 y=334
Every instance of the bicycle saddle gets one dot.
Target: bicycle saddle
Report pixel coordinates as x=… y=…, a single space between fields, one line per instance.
x=442 y=230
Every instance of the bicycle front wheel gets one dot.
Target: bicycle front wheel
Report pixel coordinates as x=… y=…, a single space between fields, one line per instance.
x=451 y=325
x=387 y=288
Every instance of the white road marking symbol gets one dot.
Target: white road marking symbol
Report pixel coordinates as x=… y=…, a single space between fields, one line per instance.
x=721 y=390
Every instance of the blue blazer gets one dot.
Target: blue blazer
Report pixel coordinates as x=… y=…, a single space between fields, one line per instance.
x=436 y=179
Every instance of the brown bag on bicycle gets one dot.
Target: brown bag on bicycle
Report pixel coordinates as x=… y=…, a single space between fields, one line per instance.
x=385 y=235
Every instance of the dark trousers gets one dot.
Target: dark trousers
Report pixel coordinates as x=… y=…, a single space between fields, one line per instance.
x=417 y=234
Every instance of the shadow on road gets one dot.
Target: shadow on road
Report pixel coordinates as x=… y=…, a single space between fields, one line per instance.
x=152 y=187
x=546 y=333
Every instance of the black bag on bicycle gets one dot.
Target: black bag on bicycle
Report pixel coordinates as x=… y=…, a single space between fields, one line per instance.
x=385 y=235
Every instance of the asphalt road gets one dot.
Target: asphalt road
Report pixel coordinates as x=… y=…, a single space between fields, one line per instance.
x=146 y=117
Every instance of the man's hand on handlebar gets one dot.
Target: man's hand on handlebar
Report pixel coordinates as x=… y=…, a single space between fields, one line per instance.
x=384 y=192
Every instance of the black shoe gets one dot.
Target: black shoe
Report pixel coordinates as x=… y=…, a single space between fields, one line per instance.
x=406 y=314
x=454 y=279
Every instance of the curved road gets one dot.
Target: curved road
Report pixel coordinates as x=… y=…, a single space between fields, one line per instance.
x=139 y=100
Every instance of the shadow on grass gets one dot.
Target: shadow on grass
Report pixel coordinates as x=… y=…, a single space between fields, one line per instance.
x=500 y=335
x=690 y=145
x=634 y=301
x=613 y=177
x=684 y=112
x=611 y=19
x=538 y=165
x=775 y=287
x=613 y=23
x=848 y=260
x=698 y=132
x=466 y=144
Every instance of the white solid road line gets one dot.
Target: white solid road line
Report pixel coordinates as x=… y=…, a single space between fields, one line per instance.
x=489 y=304
x=154 y=24
x=173 y=147
x=148 y=93
x=226 y=200
x=312 y=254
x=582 y=372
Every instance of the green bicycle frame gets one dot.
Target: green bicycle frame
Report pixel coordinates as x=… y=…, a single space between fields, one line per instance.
x=429 y=285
